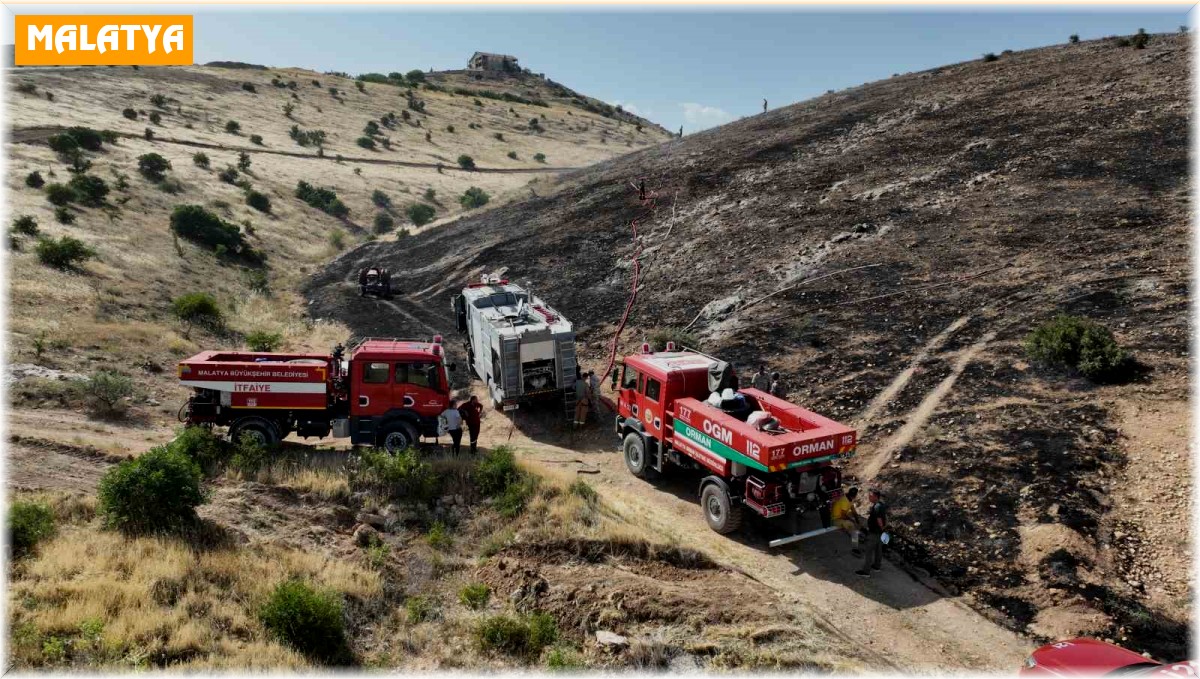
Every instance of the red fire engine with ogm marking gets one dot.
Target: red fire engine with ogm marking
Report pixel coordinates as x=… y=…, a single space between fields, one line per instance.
x=760 y=452
x=382 y=392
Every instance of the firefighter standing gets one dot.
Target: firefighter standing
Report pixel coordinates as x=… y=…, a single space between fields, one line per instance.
x=876 y=529
x=472 y=413
x=452 y=421
x=583 y=400
x=761 y=380
x=777 y=388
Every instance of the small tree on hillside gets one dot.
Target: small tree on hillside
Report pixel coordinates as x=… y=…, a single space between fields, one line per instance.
x=196 y=308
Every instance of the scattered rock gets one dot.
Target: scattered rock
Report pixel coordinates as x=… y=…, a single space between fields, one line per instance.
x=610 y=639
x=365 y=535
x=374 y=520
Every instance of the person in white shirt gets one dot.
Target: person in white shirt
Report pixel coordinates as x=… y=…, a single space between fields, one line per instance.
x=452 y=421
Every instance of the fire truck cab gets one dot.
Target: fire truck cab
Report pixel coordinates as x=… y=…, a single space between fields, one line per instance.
x=387 y=393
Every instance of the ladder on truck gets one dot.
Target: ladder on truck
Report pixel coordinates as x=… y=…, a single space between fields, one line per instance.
x=510 y=367
x=565 y=356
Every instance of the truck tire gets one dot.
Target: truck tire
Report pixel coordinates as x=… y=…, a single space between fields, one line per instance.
x=636 y=458
x=262 y=431
x=719 y=511
x=397 y=437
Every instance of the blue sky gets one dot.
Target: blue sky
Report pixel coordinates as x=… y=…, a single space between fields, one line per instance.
x=677 y=67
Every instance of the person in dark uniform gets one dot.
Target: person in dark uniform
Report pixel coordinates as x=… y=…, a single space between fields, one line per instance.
x=472 y=413
x=876 y=527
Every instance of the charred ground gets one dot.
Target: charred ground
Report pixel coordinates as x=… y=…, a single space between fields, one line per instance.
x=986 y=197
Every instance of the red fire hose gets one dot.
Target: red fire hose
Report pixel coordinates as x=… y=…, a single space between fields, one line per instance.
x=649 y=201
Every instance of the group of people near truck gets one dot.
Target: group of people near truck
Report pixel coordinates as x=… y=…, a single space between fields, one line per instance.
x=869 y=533
x=455 y=416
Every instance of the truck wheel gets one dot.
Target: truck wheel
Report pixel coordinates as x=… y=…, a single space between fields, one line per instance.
x=719 y=510
x=261 y=431
x=397 y=438
x=635 y=456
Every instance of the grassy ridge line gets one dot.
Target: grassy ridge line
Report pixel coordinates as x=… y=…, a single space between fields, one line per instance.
x=39 y=134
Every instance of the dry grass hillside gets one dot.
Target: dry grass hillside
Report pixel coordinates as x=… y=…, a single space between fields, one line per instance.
x=889 y=248
x=113 y=312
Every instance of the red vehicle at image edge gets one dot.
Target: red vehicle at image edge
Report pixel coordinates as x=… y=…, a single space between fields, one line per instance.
x=1091 y=658
x=387 y=393
x=664 y=420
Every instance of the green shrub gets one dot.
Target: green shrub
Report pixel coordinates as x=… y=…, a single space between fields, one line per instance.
x=256 y=139
x=243 y=163
x=496 y=471
x=438 y=536
x=200 y=445
x=524 y=637
x=1140 y=40
x=64 y=215
x=108 y=136
x=539 y=157
x=337 y=238
x=307 y=137
x=415 y=76
x=560 y=658
x=516 y=496
x=475 y=596
x=62 y=144
x=200 y=159
x=420 y=609
x=198 y=225
x=153 y=166
x=249 y=455
x=466 y=162
x=990 y=57
x=64 y=253
x=534 y=125
x=233 y=127
x=59 y=194
x=259 y=201
x=148 y=134
x=28 y=524
x=107 y=393
x=366 y=143
x=249 y=87
x=155 y=492
x=155 y=118
x=474 y=197
x=25 y=225
x=420 y=213
x=450 y=129
x=1073 y=39
x=197 y=308
x=384 y=222
x=34 y=180
x=261 y=340
x=512 y=154
x=581 y=489
x=229 y=175
x=1079 y=343
x=402 y=475
x=323 y=199
x=371 y=128
x=308 y=620
x=158 y=100
x=130 y=113
x=88 y=189
x=498 y=135
x=86 y=137
x=380 y=199
x=430 y=195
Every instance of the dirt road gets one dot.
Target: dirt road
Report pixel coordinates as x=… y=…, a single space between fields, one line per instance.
x=908 y=626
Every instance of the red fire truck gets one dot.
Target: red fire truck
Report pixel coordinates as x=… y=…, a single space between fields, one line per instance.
x=388 y=393
x=670 y=414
